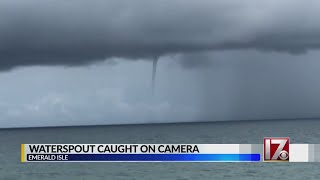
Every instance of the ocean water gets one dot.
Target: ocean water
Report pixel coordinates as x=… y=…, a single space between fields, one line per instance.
x=300 y=131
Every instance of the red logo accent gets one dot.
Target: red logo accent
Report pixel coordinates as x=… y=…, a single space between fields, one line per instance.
x=276 y=149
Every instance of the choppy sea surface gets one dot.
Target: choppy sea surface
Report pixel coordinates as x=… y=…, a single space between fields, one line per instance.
x=251 y=132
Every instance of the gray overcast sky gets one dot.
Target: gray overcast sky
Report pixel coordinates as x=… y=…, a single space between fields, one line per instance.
x=88 y=62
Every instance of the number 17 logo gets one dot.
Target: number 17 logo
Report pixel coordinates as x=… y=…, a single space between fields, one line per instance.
x=276 y=149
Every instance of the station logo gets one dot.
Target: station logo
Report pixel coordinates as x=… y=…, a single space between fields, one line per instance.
x=276 y=149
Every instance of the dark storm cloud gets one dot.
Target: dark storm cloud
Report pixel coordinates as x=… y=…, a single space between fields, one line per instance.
x=38 y=32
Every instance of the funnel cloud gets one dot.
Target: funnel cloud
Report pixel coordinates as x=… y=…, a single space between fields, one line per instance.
x=154 y=73
x=220 y=60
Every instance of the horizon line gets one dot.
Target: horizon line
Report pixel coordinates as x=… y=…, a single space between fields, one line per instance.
x=159 y=123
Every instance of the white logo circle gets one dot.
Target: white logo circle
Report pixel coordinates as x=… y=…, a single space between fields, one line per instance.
x=284 y=155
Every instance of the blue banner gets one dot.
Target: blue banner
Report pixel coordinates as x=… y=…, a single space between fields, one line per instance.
x=147 y=157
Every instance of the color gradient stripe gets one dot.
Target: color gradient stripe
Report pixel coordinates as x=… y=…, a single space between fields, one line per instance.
x=159 y=157
x=22 y=153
